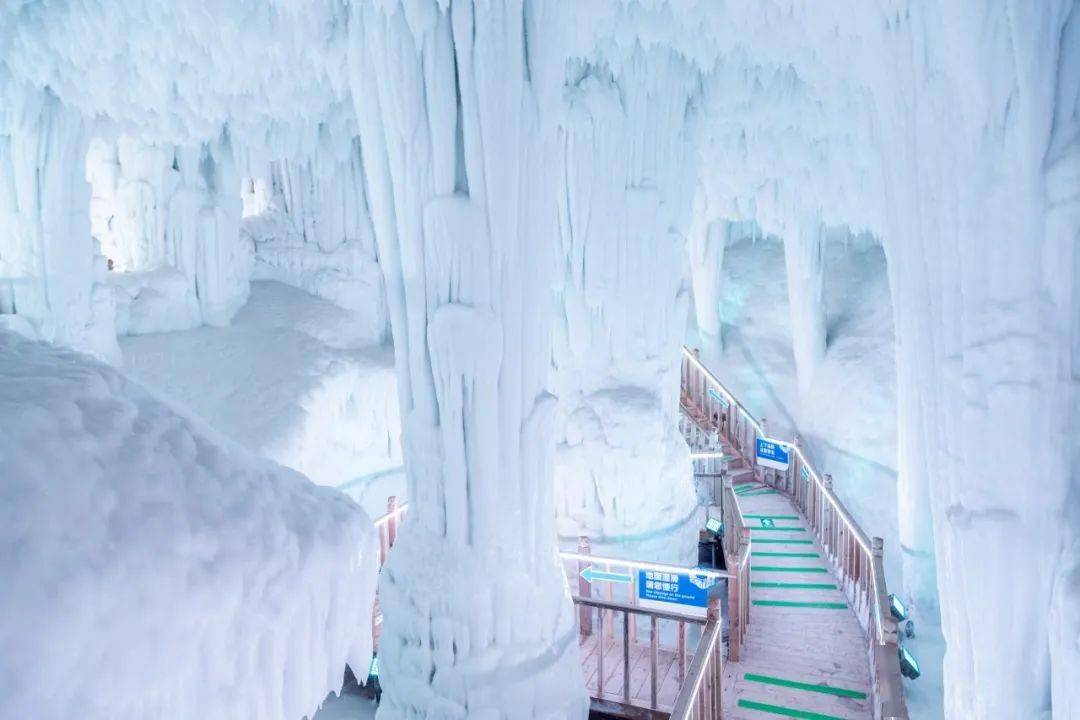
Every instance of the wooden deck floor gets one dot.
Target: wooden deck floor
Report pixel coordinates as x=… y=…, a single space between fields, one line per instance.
x=640 y=686
x=804 y=648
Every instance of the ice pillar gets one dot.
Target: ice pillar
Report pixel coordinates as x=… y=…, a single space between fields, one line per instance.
x=478 y=622
x=49 y=265
x=623 y=475
x=806 y=300
x=705 y=246
x=985 y=313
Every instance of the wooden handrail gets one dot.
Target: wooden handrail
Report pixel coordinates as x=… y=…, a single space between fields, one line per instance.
x=856 y=558
x=700 y=697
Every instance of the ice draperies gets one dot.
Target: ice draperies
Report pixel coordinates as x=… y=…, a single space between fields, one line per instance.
x=623 y=474
x=458 y=162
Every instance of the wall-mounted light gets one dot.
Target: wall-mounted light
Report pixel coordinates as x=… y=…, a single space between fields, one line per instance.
x=909 y=666
x=897 y=607
x=715 y=526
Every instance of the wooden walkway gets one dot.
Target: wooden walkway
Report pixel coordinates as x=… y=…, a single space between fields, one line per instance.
x=640 y=684
x=804 y=655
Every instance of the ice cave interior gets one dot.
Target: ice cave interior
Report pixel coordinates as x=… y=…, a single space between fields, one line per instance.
x=527 y=267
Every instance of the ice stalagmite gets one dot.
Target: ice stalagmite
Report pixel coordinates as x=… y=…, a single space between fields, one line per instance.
x=458 y=164
x=622 y=472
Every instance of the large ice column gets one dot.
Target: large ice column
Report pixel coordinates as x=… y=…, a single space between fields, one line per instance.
x=478 y=622
x=622 y=471
x=50 y=269
x=806 y=297
x=986 y=320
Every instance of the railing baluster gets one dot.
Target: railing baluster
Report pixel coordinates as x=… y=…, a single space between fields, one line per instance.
x=626 y=657
x=601 y=638
x=654 y=643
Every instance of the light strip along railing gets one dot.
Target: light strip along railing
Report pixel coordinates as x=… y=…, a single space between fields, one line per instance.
x=856 y=559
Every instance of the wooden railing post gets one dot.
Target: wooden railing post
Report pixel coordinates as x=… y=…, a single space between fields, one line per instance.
x=392 y=521
x=584 y=589
x=887 y=684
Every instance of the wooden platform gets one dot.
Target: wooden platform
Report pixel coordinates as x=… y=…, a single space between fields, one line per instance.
x=640 y=687
x=804 y=650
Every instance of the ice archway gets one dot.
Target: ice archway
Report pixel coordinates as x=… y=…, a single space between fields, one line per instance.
x=949 y=132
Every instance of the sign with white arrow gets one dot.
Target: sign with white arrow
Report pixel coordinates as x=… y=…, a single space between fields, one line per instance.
x=591 y=575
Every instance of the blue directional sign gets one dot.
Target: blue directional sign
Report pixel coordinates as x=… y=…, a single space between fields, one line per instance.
x=772 y=454
x=687 y=589
x=591 y=574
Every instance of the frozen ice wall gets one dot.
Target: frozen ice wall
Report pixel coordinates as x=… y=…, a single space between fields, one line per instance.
x=155 y=569
x=622 y=470
x=310 y=226
x=190 y=117
x=168 y=220
x=50 y=286
x=458 y=160
x=980 y=129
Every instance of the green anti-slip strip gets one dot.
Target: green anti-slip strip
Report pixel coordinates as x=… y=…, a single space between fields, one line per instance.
x=777 y=568
x=773 y=517
x=762 y=553
x=776 y=541
x=779 y=529
x=785 y=711
x=800 y=604
x=812 y=687
x=755 y=494
x=793 y=586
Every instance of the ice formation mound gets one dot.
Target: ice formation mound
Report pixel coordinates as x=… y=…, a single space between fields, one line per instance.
x=191 y=579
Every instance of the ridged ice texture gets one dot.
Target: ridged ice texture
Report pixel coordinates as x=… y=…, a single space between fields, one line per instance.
x=460 y=172
x=157 y=568
x=622 y=470
x=949 y=130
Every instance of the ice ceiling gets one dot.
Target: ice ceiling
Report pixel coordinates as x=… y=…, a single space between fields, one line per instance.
x=949 y=130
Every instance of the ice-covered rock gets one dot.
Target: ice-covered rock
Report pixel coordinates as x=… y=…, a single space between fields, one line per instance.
x=153 y=568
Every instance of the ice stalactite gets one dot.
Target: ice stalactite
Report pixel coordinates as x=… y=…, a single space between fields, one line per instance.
x=478 y=622
x=309 y=221
x=622 y=471
x=806 y=299
x=50 y=270
x=985 y=264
